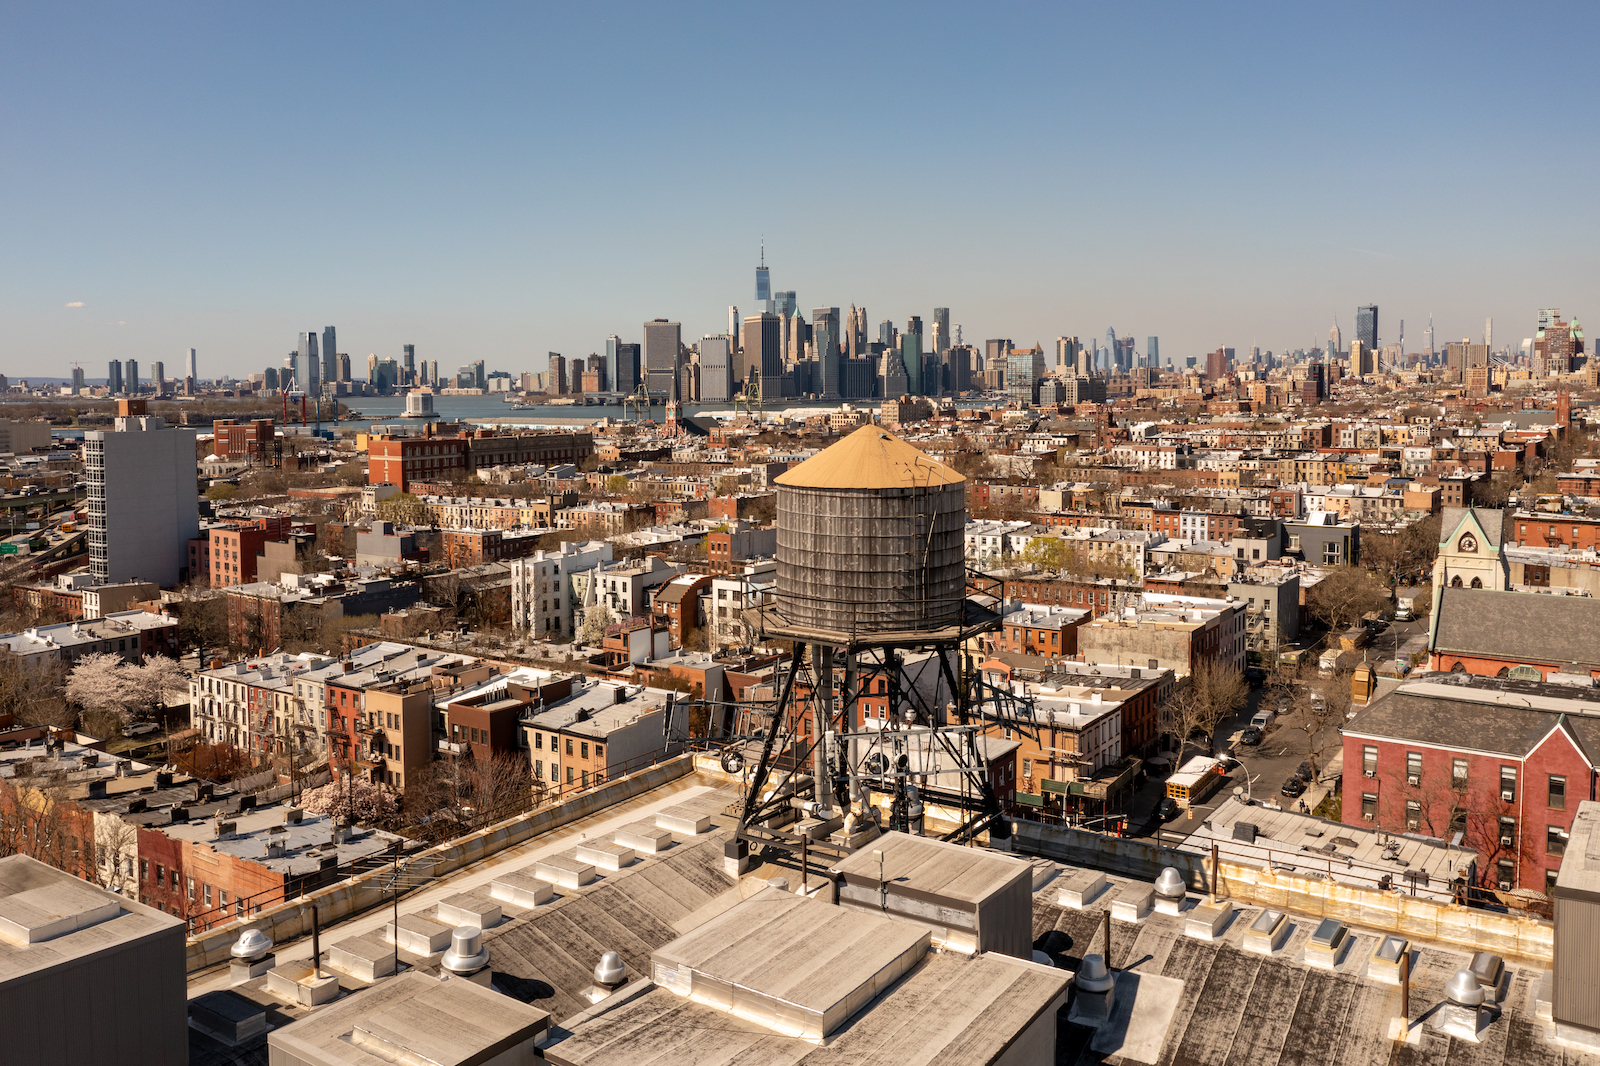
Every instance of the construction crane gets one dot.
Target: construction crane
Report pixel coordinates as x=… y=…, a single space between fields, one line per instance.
x=638 y=402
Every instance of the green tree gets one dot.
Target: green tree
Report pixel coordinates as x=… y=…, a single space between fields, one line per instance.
x=222 y=491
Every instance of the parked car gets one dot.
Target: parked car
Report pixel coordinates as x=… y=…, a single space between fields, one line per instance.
x=1251 y=736
x=142 y=729
x=1294 y=786
x=1303 y=771
x=1168 y=809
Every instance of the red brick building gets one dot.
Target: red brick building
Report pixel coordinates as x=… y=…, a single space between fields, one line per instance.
x=1503 y=763
x=255 y=441
x=233 y=548
x=1514 y=634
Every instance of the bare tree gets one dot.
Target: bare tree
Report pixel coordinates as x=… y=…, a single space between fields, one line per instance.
x=1319 y=708
x=1214 y=691
x=116 y=846
x=1344 y=594
x=503 y=783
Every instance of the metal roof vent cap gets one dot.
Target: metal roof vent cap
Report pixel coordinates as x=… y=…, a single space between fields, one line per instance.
x=779 y=883
x=467 y=955
x=251 y=945
x=1093 y=975
x=611 y=970
x=1170 y=884
x=1464 y=989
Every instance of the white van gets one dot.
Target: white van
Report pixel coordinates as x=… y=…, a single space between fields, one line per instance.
x=1263 y=719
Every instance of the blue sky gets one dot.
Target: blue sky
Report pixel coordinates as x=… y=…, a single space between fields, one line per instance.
x=500 y=181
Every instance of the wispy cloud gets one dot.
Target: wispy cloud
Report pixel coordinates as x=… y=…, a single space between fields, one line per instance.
x=76 y=303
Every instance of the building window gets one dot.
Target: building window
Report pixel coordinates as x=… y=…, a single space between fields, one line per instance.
x=538 y=769
x=1369 y=805
x=144 y=869
x=1458 y=774
x=189 y=883
x=1558 y=793
x=1413 y=815
x=584 y=750
x=569 y=775
x=1508 y=784
x=1508 y=832
x=600 y=753
x=569 y=749
x=1369 y=761
x=161 y=874
x=208 y=895
x=1555 y=840
x=538 y=741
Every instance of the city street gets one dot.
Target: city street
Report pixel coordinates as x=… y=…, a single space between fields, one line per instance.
x=1281 y=751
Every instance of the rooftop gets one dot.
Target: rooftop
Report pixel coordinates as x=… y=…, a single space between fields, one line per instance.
x=48 y=917
x=870 y=458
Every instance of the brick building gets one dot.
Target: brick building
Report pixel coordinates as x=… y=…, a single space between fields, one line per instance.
x=1502 y=762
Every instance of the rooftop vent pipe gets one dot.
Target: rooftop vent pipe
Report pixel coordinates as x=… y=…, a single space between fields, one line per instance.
x=611 y=970
x=467 y=955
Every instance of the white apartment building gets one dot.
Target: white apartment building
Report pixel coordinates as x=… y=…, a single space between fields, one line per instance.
x=734 y=594
x=541 y=587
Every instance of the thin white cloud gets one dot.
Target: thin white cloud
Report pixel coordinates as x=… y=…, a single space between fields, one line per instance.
x=76 y=303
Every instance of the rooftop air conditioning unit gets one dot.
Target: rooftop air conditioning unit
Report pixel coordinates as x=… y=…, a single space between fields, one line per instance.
x=1508 y=795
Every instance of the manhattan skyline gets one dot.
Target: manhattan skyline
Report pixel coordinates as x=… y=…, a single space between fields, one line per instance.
x=221 y=179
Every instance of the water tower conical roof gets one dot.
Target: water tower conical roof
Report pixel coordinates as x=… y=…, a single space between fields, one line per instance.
x=870 y=458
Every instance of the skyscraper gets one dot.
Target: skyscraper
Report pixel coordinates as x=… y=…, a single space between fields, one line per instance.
x=307 y=363
x=1488 y=333
x=613 y=342
x=1152 y=351
x=662 y=340
x=825 y=338
x=114 y=378
x=911 y=356
x=1335 y=341
x=886 y=334
x=1367 y=325
x=1112 y=362
x=1066 y=355
x=785 y=303
x=344 y=367
x=627 y=371
x=1216 y=365
x=763 y=353
x=330 y=355
x=733 y=327
x=557 y=374
x=77 y=380
x=716 y=368
x=193 y=368
x=408 y=364
x=941 y=321
x=130 y=376
x=763 y=284
x=158 y=375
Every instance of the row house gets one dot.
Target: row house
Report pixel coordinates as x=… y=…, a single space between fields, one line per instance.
x=132 y=635
x=1039 y=629
x=734 y=599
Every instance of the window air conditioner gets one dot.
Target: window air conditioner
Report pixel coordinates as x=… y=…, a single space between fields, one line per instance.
x=1369 y=773
x=1505 y=886
x=1505 y=842
x=1508 y=796
x=1366 y=817
x=1413 y=779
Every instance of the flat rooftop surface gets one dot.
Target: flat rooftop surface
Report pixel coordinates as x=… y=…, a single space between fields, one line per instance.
x=412 y=1018
x=48 y=917
x=924 y=866
x=955 y=1009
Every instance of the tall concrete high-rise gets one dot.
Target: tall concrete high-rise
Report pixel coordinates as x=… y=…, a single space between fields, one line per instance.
x=1335 y=341
x=734 y=322
x=193 y=369
x=763 y=283
x=408 y=364
x=1428 y=334
x=114 y=377
x=330 y=354
x=784 y=303
x=1066 y=355
x=763 y=353
x=716 y=368
x=556 y=374
x=143 y=509
x=158 y=376
x=344 y=367
x=662 y=342
x=77 y=381
x=941 y=322
x=1488 y=333
x=864 y=332
x=1111 y=349
x=886 y=334
x=914 y=325
x=825 y=339
x=1152 y=351
x=613 y=343
x=130 y=376
x=1367 y=325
